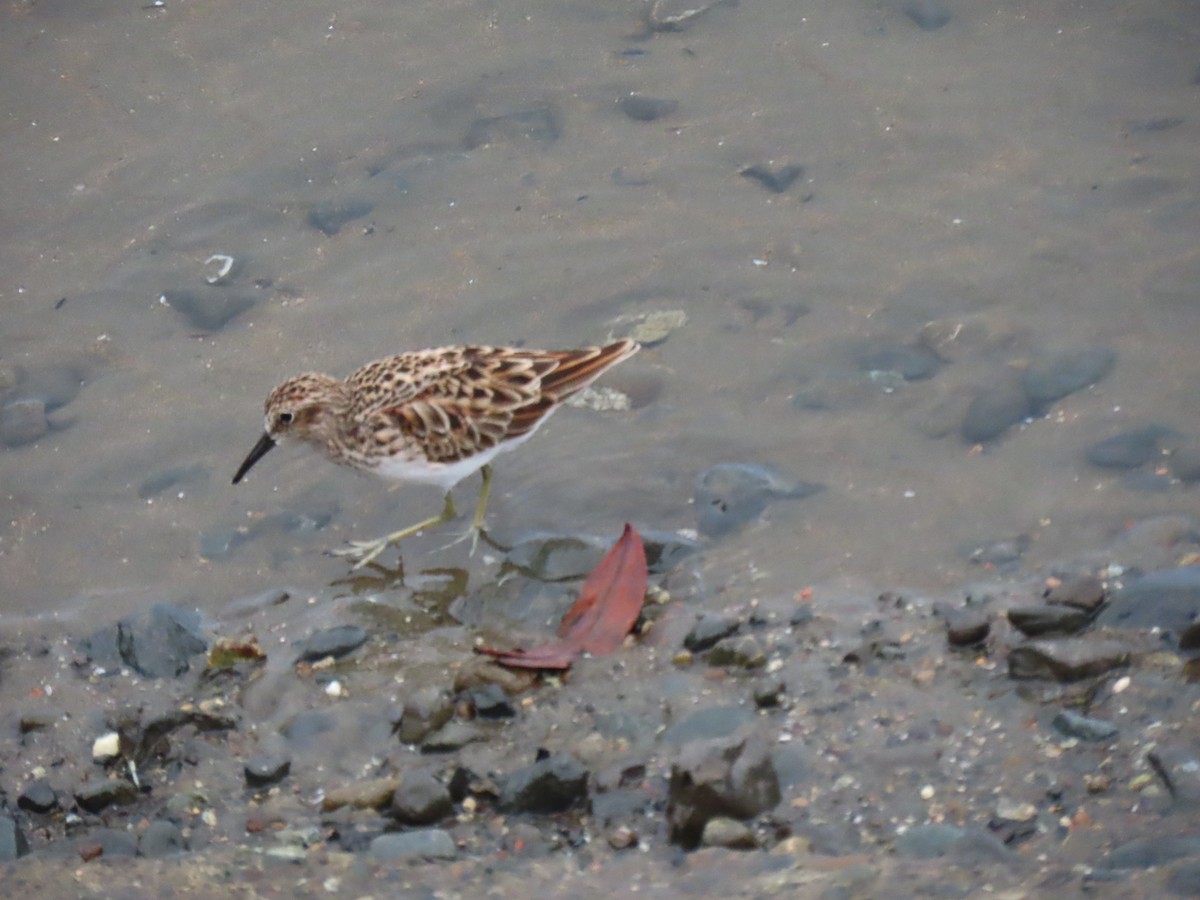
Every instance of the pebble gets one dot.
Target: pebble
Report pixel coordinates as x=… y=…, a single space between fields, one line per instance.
x=535 y=125
x=1066 y=659
x=776 y=180
x=1057 y=374
x=13 y=843
x=452 y=736
x=966 y=626
x=993 y=411
x=710 y=628
x=728 y=778
x=729 y=495
x=330 y=217
x=929 y=15
x=1086 y=593
x=98 y=795
x=335 y=642
x=739 y=651
x=491 y=702
x=418 y=844
x=910 y=363
x=1129 y=449
x=641 y=108
x=1034 y=621
x=722 y=831
x=305 y=728
x=106 y=748
x=266 y=769
x=23 y=422
x=425 y=711
x=1086 y=728
x=1178 y=765
x=1168 y=599
x=208 y=310
x=162 y=837
x=705 y=724
x=369 y=793
x=420 y=799
x=655 y=327
x=1185 y=462
x=550 y=785
x=38 y=797
x=159 y=643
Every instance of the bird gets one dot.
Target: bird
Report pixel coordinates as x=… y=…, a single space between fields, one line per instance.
x=429 y=416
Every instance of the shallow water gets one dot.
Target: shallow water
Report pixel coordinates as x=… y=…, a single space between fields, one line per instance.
x=1027 y=169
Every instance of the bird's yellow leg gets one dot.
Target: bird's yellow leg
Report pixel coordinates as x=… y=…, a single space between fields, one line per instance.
x=362 y=552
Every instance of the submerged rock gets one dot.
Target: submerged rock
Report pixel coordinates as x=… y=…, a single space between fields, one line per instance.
x=1066 y=659
x=730 y=778
x=550 y=785
x=729 y=495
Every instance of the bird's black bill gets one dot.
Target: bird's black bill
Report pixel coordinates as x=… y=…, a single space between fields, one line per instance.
x=265 y=443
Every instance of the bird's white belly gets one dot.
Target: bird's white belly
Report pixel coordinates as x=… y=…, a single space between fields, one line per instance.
x=444 y=475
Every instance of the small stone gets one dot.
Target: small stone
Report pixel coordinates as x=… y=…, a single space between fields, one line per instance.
x=425 y=711
x=646 y=109
x=1015 y=811
x=1086 y=728
x=370 y=793
x=491 y=702
x=708 y=630
x=266 y=769
x=1129 y=449
x=739 y=651
x=731 y=778
x=13 y=843
x=929 y=15
x=106 y=748
x=38 y=797
x=162 y=837
x=23 y=422
x=335 y=642
x=1041 y=620
x=550 y=785
x=1185 y=462
x=966 y=627
x=910 y=363
x=1057 y=374
x=775 y=180
x=208 y=310
x=1066 y=659
x=994 y=410
x=420 y=799
x=99 y=795
x=534 y=125
x=452 y=736
x=725 y=832
x=1086 y=593
x=329 y=217
x=420 y=843
x=657 y=326
x=622 y=838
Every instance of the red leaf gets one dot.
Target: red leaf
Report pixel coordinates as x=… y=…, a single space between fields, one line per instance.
x=608 y=605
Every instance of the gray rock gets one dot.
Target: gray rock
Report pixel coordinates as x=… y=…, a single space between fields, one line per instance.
x=965 y=626
x=425 y=710
x=419 y=844
x=740 y=651
x=112 y=843
x=1042 y=620
x=550 y=785
x=707 y=724
x=1144 y=853
x=38 y=797
x=929 y=15
x=556 y=557
x=729 y=495
x=535 y=125
x=775 y=180
x=730 y=833
x=305 y=728
x=23 y=422
x=994 y=410
x=934 y=840
x=13 y=843
x=1185 y=462
x=420 y=799
x=1169 y=600
x=1086 y=728
x=491 y=702
x=733 y=778
x=211 y=309
x=1086 y=593
x=336 y=642
x=1057 y=374
x=646 y=109
x=162 y=837
x=159 y=643
x=709 y=629
x=1066 y=659
x=1129 y=449
x=266 y=769
x=329 y=217
x=452 y=736
x=98 y=795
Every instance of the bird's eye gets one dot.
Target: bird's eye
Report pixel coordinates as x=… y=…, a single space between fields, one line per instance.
x=285 y=418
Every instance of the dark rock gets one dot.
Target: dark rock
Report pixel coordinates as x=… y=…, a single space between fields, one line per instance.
x=1178 y=765
x=305 y=728
x=491 y=702
x=929 y=15
x=329 y=217
x=266 y=769
x=1086 y=728
x=1144 y=853
x=419 y=844
x=53 y=385
x=739 y=651
x=111 y=843
x=1169 y=600
x=732 y=778
x=98 y=795
x=801 y=616
x=1055 y=375
x=1034 y=621
x=774 y=180
x=536 y=125
x=729 y=495
x=646 y=109
x=994 y=410
x=709 y=629
x=910 y=363
x=1129 y=449
x=664 y=549
x=209 y=310
x=162 y=837
x=550 y=785
x=706 y=724
x=13 y=843
x=420 y=799
x=1189 y=638
x=769 y=694
x=425 y=711
x=23 y=422
x=966 y=627
x=1086 y=593
x=452 y=736
x=158 y=643
x=1185 y=462
x=336 y=642
x=1066 y=659
x=38 y=797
